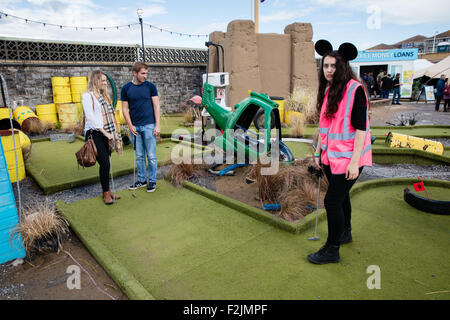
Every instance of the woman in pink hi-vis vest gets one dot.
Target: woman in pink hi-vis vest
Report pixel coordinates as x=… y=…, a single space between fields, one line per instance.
x=344 y=144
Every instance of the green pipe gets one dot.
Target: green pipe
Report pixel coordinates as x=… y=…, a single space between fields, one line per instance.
x=114 y=90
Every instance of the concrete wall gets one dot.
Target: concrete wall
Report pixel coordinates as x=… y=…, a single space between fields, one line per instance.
x=271 y=63
x=32 y=82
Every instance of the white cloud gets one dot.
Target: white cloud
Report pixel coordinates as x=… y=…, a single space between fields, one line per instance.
x=401 y=12
x=287 y=15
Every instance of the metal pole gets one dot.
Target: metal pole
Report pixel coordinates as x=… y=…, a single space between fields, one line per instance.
x=256 y=16
x=142 y=35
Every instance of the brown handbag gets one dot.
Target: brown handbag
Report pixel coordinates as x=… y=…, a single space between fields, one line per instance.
x=87 y=155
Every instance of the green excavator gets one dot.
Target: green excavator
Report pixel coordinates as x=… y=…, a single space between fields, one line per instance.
x=234 y=125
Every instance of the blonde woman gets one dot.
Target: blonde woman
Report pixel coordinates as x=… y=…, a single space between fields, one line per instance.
x=101 y=126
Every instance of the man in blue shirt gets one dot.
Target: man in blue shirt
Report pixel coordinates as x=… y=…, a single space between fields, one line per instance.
x=141 y=110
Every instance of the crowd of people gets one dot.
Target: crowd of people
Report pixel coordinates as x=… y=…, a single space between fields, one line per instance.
x=383 y=85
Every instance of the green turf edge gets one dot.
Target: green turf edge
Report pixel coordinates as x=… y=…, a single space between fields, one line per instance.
x=258 y=214
x=49 y=189
x=121 y=276
x=395 y=181
x=402 y=155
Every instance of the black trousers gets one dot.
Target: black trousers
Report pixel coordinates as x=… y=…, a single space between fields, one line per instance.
x=337 y=204
x=101 y=142
x=438 y=102
x=446 y=105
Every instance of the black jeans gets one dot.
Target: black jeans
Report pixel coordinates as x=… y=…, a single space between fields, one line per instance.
x=101 y=142
x=446 y=104
x=337 y=203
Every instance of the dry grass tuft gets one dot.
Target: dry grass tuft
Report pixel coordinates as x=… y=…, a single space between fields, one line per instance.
x=293 y=187
x=77 y=129
x=40 y=223
x=183 y=171
x=298 y=126
x=26 y=152
x=304 y=101
x=33 y=124
x=188 y=117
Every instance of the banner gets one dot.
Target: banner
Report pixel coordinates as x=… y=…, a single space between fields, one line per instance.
x=429 y=93
x=408 y=77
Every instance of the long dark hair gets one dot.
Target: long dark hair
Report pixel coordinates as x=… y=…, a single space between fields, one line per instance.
x=341 y=77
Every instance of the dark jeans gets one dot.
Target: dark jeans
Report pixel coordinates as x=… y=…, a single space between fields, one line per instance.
x=101 y=142
x=396 y=94
x=446 y=104
x=337 y=203
x=438 y=102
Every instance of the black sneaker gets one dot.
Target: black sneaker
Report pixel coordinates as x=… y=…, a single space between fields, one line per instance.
x=151 y=187
x=137 y=185
x=328 y=253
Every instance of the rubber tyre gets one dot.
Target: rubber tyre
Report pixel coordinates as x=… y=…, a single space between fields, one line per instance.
x=425 y=204
x=258 y=120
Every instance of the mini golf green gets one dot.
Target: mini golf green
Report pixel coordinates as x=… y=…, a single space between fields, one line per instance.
x=177 y=244
x=54 y=167
x=300 y=149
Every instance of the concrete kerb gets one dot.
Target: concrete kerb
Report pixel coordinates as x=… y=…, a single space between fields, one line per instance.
x=121 y=276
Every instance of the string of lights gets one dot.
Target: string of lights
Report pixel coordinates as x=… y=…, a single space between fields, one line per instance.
x=4 y=15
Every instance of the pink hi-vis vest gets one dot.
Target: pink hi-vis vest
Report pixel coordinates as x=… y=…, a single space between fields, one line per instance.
x=338 y=135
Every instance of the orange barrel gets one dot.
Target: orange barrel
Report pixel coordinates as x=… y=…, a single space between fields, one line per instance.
x=61 y=90
x=47 y=113
x=67 y=114
x=78 y=85
x=8 y=147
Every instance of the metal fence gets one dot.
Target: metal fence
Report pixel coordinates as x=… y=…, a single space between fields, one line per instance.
x=20 y=50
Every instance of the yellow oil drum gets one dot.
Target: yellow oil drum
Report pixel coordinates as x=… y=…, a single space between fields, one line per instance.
x=120 y=118
x=397 y=140
x=80 y=111
x=281 y=106
x=78 y=85
x=8 y=147
x=4 y=113
x=61 y=90
x=117 y=114
x=290 y=116
x=22 y=113
x=67 y=114
x=47 y=113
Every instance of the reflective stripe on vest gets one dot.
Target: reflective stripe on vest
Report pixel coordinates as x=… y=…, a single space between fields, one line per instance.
x=345 y=135
x=347 y=154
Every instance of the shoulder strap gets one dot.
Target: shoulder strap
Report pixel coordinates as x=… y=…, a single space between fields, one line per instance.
x=93 y=104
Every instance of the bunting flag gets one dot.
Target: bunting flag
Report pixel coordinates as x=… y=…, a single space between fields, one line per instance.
x=44 y=24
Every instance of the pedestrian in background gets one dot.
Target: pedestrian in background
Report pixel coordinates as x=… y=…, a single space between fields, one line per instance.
x=446 y=95
x=396 y=88
x=439 y=91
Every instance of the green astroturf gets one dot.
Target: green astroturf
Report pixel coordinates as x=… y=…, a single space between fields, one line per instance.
x=54 y=167
x=300 y=149
x=180 y=245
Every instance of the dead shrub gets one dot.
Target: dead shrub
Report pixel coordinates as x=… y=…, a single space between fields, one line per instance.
x=41 y=228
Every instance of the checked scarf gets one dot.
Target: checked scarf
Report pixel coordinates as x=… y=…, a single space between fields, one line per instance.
x=110 y=125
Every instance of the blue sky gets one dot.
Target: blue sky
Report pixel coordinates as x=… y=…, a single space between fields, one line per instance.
x=363 y=22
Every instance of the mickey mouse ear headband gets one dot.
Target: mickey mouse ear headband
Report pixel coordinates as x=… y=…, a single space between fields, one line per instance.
x=347 y=50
